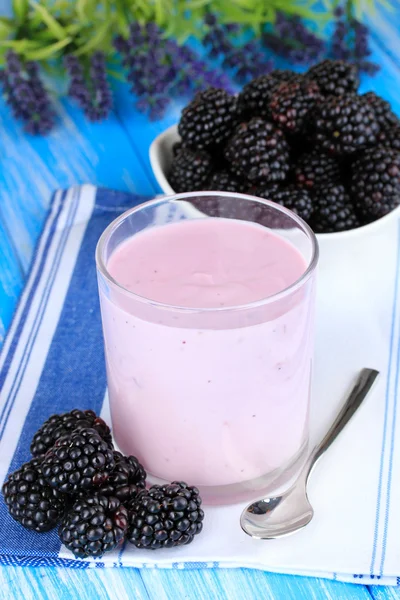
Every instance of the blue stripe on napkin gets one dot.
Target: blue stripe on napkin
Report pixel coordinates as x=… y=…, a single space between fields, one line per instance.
x=41 y=260
x=66 y=381
x=385 y=469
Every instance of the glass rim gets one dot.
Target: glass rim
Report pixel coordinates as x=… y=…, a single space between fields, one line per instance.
x=293 y=287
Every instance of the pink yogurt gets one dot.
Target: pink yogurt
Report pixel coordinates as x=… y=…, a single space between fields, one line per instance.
x=214 y=398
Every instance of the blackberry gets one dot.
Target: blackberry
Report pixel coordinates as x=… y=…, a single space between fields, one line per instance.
x=79 y=461
x=225 y=182
x=291 y=103
x=190 y=170
x=30 y=500
x=209 y=119
x=165 y=516
x=386 y=118
x=335 y=77
x=293 y=198
x=281 y=75
x=253 y=100
x=94 y=525
x=313 y=170
x=390 y=138
x=125 y=481
x=375 y=182
x=57 y=426
x=258 y=151
x=208 y=206
x=333 y=210
x=344 y=125
x=176 y=148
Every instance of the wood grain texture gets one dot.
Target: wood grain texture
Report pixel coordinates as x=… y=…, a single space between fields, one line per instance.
x=153 y=584
x=244 y=584
x=384 y=593
x=71 y=584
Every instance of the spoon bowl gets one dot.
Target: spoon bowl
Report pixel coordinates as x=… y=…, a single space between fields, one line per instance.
x=282 y=514
x=277 y=516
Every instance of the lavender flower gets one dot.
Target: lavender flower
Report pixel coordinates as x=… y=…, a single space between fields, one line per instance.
x=25 y=94
x=93 y=93
x=294 y=41
x=247 y=62
x=340 y=49
x=159 y=69
x=350 y=42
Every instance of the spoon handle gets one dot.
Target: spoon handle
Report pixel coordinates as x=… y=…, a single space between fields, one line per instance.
x=362 y=386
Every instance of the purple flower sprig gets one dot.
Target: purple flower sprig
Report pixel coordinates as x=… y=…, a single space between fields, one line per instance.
x=26 y=95
x=292 y=40
x=158 y=69
x=350 y=42
x=361 y=48
x=247 y=61
x=92 y=92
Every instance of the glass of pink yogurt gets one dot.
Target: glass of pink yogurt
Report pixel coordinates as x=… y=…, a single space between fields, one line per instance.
x=207 y=303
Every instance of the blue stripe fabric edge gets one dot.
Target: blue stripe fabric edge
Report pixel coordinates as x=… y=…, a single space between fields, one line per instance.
x=52 y=561
x=10 y=353
x=385 y=423
x=393 y=429
x=41 y=311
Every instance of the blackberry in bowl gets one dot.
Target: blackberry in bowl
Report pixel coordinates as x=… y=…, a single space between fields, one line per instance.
x=313 y=132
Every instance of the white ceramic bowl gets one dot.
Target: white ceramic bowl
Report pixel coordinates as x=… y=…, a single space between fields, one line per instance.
x=161 y=156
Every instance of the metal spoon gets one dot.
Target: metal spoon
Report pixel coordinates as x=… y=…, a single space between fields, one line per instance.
x=274 y=517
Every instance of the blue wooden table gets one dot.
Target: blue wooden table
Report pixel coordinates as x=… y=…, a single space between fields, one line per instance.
x=114 y=154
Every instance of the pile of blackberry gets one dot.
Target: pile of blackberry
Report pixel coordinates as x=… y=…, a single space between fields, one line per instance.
x=96 y=495
x=309 y=142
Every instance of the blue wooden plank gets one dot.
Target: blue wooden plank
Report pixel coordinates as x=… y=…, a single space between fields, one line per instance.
x=137 y=125
x=46 y=583
x=384 y=593
x=384 y=26
x=6 y=8
x=239 y=584
x=386 y=81
x=76 y=152
x=11 y=280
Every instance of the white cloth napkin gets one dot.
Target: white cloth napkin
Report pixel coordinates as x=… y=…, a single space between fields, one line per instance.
x=355 y=490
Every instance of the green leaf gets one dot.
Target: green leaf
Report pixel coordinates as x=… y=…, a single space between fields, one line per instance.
x=52 y=24
x=139 y=9
x=95 y=42
x=20 y=45
x=48 y=51
x=6 y=28
x=269 y=15
x=163 y=11
x=198 y=3
x=20 y=10
x=80 y=7
x=73 y=29
x=330 y=5
x=116 y=75
x=291 y=9
x=236 y=15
